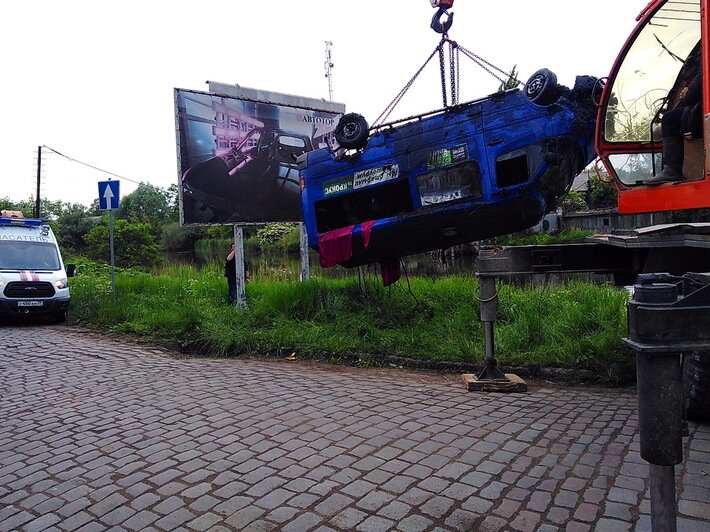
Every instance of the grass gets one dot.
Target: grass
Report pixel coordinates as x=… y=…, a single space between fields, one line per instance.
x=578 y=325
x=520 y=239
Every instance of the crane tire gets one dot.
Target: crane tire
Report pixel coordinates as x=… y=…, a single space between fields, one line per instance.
x=696 y=385
x=542 y=87
x=352 y=131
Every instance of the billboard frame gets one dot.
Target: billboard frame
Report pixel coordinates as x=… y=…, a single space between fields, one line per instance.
x=246 y=94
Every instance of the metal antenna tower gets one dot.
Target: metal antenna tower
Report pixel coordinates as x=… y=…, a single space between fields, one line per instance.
x=329 y=69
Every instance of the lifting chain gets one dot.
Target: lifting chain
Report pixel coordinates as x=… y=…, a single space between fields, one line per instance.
x=454 y=71
x=390 y=107
x=454 y=75
x=443 y=74
x=485 y=65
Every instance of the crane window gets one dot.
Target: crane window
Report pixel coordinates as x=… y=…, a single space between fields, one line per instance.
x=635 y=168
x=649 y=70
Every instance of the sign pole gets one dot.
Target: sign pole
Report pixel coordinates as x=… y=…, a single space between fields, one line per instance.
x=110 y=199
x=110 y=239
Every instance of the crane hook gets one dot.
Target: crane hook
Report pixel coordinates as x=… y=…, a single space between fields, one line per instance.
x=437 y=24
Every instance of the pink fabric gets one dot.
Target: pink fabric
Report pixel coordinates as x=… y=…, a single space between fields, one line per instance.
x=390 y=271
x=366 y=229
x=335 y=246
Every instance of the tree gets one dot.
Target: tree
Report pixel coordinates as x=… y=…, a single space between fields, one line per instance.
x=220 y=231
x=73 y=223
x=147 y=204
x=51 y=209
x=600 y=194
x=176 y=237
x=25 y=206
x=573 y=202
x=134 y=244
x=173 y=197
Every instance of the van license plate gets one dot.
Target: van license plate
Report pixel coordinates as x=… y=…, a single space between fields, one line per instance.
x=30 y=303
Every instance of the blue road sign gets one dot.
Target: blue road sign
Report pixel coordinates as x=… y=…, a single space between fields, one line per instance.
x=109 y=197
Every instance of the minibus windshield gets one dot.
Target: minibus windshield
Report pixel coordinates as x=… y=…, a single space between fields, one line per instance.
x=24 y=255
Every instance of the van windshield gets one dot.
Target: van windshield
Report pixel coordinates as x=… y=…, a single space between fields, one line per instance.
x=21 y=255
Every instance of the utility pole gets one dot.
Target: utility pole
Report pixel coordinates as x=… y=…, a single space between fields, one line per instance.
x=329 y=69
x=39 y=176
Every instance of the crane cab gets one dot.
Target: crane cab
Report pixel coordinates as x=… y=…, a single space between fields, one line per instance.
x=656 y=65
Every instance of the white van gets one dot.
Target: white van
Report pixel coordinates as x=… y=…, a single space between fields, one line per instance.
x=32 y=276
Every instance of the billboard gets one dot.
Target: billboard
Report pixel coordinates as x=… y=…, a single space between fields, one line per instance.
x=237 y=152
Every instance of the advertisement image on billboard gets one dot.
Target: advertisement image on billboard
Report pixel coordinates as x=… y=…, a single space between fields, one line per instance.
x=238 y=157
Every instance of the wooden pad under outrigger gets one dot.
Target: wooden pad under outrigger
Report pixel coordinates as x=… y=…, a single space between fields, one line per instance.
x=511 y=383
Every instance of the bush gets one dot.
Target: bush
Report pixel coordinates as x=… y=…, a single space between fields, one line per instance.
x=179 y=238
x=280 y=236
x=600 y=195
x=566 y=237
x=573 y=202
x=134 y=245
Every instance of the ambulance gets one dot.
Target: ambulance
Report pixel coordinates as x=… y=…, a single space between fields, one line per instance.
x=33 y=280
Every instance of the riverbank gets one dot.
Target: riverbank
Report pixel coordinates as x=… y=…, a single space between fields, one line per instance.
x=417 y=322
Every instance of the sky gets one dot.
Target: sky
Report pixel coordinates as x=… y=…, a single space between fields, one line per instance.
x=93 y=80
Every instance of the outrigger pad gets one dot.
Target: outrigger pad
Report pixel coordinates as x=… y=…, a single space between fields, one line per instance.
x=512 y=384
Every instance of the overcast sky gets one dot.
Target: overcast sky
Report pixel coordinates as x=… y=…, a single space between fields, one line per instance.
x=94 y=79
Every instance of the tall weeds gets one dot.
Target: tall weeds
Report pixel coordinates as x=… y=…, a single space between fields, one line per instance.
x=577 y=325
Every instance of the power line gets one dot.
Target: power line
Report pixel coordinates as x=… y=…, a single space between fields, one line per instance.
x=90 y=166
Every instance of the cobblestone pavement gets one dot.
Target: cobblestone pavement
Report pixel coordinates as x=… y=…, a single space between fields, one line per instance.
x=99 y=434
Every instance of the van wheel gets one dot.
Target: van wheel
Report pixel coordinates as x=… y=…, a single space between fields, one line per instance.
x=542 y=88
x=60 y=317
x=352 y=131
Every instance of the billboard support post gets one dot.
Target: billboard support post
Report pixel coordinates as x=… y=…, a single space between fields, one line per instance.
x=305 y=265
x=239 y=266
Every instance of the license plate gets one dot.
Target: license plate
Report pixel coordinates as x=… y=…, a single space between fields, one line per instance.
x=30 y=303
